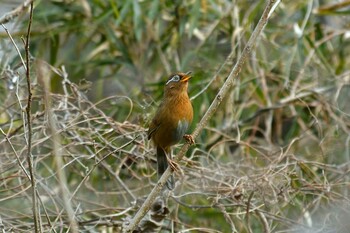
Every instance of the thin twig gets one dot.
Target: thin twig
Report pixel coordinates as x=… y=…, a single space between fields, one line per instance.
x=248 y=211
x=17 y=49
x=129 y=227
x=331 y=7
x=37 y=224
x=12 y=14
x=15 y=153
x=109 y=170
x=263 y=221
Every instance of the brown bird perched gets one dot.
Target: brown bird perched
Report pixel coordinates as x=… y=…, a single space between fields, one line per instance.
x=171 y=121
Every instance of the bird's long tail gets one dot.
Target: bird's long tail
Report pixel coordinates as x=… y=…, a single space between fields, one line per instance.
x=162 y=162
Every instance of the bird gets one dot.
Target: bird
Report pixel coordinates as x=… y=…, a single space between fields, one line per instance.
x=171 y=122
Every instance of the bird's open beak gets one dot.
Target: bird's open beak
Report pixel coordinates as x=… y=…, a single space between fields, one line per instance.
x=187 y=76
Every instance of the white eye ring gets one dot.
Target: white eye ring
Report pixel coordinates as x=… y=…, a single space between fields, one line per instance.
x=175 y=78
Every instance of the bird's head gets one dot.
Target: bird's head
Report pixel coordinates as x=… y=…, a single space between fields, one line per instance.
x=177 y=83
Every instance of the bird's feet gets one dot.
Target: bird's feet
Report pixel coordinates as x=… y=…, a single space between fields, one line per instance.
x=189 y=139
x=173 y=165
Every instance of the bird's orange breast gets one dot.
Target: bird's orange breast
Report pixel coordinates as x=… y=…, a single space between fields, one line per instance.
x=171 y=121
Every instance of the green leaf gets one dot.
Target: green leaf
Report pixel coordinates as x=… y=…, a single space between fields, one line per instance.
x=123 y=13
x=137 y=19
x=194 y=16
x=154 y=9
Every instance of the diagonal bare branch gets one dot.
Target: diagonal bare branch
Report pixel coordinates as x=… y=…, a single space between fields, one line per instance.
x=210 y=112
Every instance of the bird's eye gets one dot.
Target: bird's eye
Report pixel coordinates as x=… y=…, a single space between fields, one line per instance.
x=175 y=78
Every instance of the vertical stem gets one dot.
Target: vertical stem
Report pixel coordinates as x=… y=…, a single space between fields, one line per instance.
x=29 y=125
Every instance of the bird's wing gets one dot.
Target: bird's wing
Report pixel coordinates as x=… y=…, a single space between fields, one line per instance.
x=152 y=128
x=156 y=121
